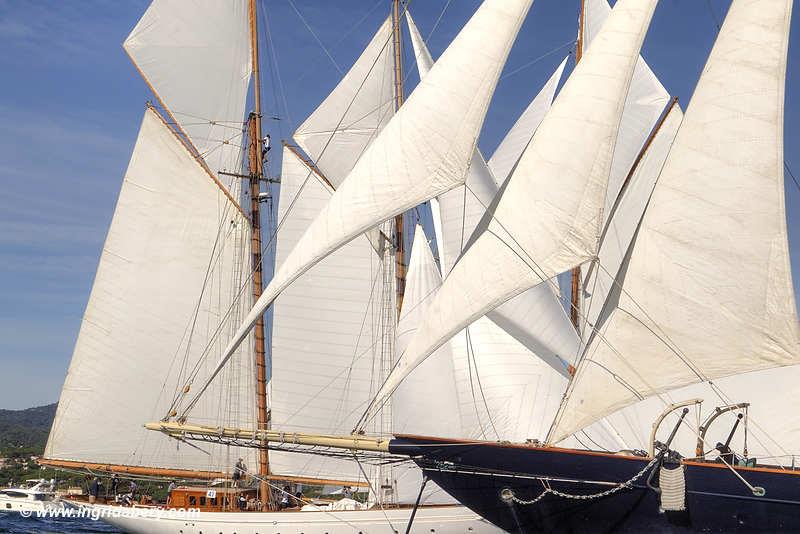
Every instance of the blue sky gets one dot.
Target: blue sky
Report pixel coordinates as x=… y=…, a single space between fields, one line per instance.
x=71 y=103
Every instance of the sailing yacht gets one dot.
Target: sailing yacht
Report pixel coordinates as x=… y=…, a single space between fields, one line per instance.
x=676 y=241
x=182 y=265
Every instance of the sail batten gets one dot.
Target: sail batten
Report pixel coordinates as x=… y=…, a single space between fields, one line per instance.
x=707 y=290
x=547 y=217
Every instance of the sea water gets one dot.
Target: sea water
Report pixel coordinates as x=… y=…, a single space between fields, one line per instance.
x=13 y=522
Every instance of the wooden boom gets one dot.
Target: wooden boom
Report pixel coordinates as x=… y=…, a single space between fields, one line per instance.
x=354 y=442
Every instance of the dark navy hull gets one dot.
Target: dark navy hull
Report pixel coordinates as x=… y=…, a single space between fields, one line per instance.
x=716 y=500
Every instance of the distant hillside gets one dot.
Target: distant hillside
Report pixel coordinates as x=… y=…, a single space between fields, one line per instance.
x=26 y=429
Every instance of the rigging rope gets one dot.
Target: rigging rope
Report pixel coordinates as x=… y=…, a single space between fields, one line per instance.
x=316 y=38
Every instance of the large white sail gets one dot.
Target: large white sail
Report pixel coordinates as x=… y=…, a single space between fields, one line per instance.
x=536 y=318
x=324 y=332
x=423 y=151
x=707 y=291
x=548 y=215
x=621 y=228
x=196 y=57
x=176 y=254
x=337 y=132
x=647 y=98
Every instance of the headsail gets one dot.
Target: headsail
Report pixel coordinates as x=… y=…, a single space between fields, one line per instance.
x=434 y=383
x=646 y=101
x=423 y=151
x=197 y=61
x=548 y=215
x=141 y=334
x=535 y=318
x=707 y=291
x=513 y=144
x=323 y=332
x=339 y=130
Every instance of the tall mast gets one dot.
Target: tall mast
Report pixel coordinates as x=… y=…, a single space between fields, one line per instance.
x=400 y=266
x=575 y=307
x=256 y=167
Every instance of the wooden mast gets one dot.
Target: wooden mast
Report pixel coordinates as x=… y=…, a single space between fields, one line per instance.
x=575 y=304
x=400 y=265
x=256 y=168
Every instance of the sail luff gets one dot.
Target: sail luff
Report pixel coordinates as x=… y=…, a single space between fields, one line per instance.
x=709 y=271
x=422 y=152
x=561 y=178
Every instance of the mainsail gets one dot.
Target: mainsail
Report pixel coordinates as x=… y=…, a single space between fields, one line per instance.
x=707 y=289
x=197 y=62
x=562 y=175
x=168 y=282
x=423 y=151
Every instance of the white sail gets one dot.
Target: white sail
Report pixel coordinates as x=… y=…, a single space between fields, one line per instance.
x=323 y=332
x=513 y=144
x=620 y=230
x=536 y=318
x=433 y=383
x=548 y=215
x=644 y=104
x=423 y=151
x=195 y=55
x=337 y=132
x=142 y=332
x=506 y=392
x=707 y=291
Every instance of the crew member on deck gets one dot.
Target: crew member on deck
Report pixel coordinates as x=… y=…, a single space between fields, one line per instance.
x=94 y=490
x=239 y=472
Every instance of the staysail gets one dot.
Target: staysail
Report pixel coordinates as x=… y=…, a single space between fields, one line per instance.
x=707 y=289
x=141 y=334
x=434 y=382
x=535 y=318
x=560 y=178
x=197 y=61
x=513 y=144
x=339 y=130
x=646 y=101
x=423 y=151
x=324 y=332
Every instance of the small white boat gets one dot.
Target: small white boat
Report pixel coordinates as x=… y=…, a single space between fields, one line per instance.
x=37 y=496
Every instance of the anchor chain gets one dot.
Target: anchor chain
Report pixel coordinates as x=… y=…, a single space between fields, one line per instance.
x=508 y=494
